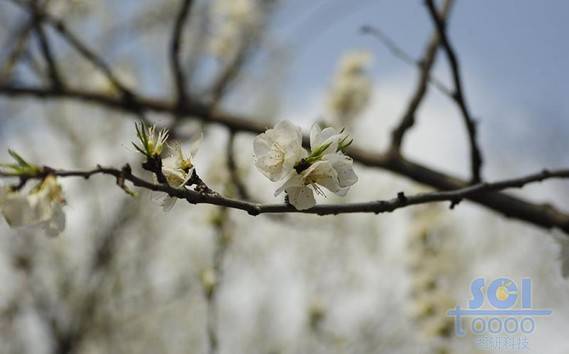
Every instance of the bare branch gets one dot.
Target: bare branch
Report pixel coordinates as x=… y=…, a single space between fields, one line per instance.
x=240 y=187
x=175 y=51
x=473 y=192
x=76 y=43
x=22 y=35
x=425 y=64
x=507 y=205
x=475 y=154
x=45 y=47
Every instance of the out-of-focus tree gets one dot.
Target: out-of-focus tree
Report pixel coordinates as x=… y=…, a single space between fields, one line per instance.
x=213 y=275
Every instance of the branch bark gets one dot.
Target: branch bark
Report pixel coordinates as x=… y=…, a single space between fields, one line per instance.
x=426 y=64
x=481 y=191
x=470 y=124
x=545 y=216
x=175 y=51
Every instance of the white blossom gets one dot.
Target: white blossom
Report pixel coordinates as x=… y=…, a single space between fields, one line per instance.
x=178 y=168
x=41 y=207
x=333 y=172
x=351 y=87
x=328 y=140
x=279 y=154
x=278 y=150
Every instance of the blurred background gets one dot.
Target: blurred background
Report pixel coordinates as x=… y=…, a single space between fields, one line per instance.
x=126 y=277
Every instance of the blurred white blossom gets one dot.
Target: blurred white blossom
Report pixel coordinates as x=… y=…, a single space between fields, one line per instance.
x=62 y=8
x=41 y=207
x=235 y=22
x=563 y=242
x=351 y=88
x=100 y=81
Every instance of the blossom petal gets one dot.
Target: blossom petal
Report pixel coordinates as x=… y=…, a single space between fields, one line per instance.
x=195 y=146
x=278 y=150
x=344 y=167
x=168 y=203
x=323 y=174
x=55 y=226
x=301 y=198
x=294 y=180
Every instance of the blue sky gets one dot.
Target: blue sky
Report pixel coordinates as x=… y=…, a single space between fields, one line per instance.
x=513 y=54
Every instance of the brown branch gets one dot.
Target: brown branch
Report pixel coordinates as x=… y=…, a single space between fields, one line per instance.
x=175 y=51
x=544 y=216
x=45 y=47
x=236 y=180
x=425 y=64
x=76 y=43
x=473 y=192
x=475 y=154
x=22 y=35
x=400 y=53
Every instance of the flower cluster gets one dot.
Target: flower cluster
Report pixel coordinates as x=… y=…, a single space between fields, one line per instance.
x=42 y=206
x=279 y=155
x=177 y=169
x=351 y=88
x=431 y=260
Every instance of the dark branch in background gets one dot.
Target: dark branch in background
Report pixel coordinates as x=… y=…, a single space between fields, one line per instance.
x=212 y=280
x=474 y=192
x=544 y=216
x=21 y=37
x=475 y=155
x=400 y=53
x=425 y=64
x=76 y=43
x=45 y=47
x=236 y=180
x=175 y=52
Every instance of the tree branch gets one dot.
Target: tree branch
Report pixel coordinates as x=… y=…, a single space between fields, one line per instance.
x=425 y=64
x=545 y=216
x=473 y=192
x=45 y=47
x=475 y=154
x=400 y=53
x=175 y=51
x=76 y=43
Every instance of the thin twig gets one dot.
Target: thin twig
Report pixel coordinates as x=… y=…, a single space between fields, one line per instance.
x=400 y=53
x=45 y=47
x=236 y=180
x=425 y=64
x=75 y=42
x=475 y=154
x=22 y=35
x=175 y=52
x=507 y=205
x=376 y=207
